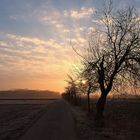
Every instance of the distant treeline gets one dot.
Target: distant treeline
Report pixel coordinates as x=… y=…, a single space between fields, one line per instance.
x=27 y=91
x=28 y=94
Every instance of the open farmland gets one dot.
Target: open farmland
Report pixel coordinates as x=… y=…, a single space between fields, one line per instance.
x=20 y=109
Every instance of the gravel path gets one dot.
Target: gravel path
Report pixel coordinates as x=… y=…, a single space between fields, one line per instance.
x=56 y=124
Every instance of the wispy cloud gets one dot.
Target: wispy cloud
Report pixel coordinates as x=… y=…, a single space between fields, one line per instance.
x=4 y=43
x=34 y=58
x=84 y=12
x=33 y=40
x=36 y=42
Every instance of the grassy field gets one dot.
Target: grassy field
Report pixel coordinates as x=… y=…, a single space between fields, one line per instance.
x=16 y=118
x=19 y=109
x=122 y=121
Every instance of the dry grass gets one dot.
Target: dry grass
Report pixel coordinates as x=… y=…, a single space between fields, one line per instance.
x=122 y=121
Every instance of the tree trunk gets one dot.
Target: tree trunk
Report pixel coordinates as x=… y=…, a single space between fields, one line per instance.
x=88 y=102
x=100 y=106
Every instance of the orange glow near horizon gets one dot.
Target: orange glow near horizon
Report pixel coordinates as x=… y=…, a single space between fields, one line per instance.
x=44 y=78
x=35 y=85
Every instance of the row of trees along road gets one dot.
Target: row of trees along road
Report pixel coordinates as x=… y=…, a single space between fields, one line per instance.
x=113 y=56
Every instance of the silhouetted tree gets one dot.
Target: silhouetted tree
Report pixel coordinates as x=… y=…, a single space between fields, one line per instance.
x=86 y=85
x=114 y=53
x=71 y=89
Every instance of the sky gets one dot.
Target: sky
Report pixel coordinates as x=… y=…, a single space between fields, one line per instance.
x=36 y=39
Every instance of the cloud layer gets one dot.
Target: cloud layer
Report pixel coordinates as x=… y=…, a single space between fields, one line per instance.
x=36 y=39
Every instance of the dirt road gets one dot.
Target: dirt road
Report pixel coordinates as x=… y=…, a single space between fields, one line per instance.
x=56 y=124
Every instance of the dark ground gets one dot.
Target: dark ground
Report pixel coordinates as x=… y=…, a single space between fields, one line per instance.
x=15 y=119
x=122 y=121
x=56 y=124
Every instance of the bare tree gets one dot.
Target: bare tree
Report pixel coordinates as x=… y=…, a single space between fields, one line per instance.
x=86 y=85
x=114 y=53
x=71 y=89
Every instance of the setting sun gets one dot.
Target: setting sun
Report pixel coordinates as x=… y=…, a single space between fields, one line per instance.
x=83 y=81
